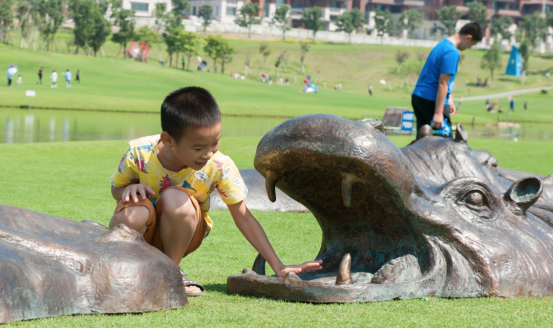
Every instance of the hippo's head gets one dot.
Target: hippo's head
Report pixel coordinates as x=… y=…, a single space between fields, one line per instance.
x=388 y=233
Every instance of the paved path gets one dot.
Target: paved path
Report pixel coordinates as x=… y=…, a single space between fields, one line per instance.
x=505 y=94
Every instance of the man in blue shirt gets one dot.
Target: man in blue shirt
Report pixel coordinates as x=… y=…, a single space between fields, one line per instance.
x=431 y=99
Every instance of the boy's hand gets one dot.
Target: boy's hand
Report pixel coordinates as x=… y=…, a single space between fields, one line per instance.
x=132 y=191
x=307 y=266
x=438 y=120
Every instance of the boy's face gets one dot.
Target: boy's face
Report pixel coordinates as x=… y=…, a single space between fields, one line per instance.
x=197 y=146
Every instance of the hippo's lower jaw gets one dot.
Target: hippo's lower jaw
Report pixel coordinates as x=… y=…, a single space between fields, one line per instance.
x=328 y=287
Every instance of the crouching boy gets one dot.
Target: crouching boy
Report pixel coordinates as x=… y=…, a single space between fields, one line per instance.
x=163 y=184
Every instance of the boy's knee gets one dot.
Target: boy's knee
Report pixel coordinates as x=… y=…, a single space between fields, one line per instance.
x=134 y=217
x=177 y=202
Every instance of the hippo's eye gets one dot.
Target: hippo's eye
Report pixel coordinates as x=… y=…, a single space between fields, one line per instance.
x=477 y=203
x=475 y=199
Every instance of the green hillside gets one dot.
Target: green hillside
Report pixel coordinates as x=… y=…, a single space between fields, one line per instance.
x=115 y=84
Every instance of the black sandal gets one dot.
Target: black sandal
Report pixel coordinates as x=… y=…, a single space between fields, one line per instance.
x=187 y=283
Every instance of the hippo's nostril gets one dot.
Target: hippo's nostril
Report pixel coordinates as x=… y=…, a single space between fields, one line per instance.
x=270 y=183
x=347 y=186
x=344 y=271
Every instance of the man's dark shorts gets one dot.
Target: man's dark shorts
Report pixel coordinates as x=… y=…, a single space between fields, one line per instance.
x=424 y=111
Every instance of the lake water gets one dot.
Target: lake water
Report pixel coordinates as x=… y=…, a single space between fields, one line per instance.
x=33 y=126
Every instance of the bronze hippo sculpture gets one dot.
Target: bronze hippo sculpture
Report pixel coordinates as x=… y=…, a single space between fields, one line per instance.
x=435 y=218
x=53 y=266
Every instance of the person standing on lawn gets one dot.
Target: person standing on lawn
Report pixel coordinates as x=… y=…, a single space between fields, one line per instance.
x=40 y=73
x=163 y=184
x=54 y=79
x=432 y=100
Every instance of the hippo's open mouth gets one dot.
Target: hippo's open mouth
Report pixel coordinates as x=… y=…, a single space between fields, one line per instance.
x=360 y=189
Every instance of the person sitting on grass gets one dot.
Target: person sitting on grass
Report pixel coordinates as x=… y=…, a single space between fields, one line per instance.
x=163 y=184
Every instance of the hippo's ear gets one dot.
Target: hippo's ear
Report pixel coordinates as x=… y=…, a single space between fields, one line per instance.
x=524 y=193
x=460 y=134
x=425 y=131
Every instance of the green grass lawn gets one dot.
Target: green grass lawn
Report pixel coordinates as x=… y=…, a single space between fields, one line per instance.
x=72 y=180
x=124 y=85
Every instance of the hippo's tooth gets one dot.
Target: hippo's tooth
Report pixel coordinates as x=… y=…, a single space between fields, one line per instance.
x=270 y=183
x=344 y=271
x=347 y=188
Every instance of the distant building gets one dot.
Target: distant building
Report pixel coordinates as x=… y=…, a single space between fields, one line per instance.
x=224 y=11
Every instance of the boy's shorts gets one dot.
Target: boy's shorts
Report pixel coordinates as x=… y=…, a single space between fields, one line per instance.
x=152 y=235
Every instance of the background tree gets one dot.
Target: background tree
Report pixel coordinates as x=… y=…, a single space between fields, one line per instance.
x=281 y=60
x=478 y=13
x=190 y=42
x=50 y=19
x=312 y=19
x=174 y=27
x=160 y=16
x=225 y=53
x=401 y=57
x=123 y=18
x=525 y=50
x=281 y=18
x=6 y=19
x=350 y=21
x=205 y=13
x=82 y=12
x=492 y=60
x=23 y=15
x=448 y=16
x=102 y=29
x=212 y=43
x=265 y=51
x=148 y=36
x=410 y=20
x=500 y=25
x=535 y=28
x=304 y=48
x=383 y=22
x=248 y=16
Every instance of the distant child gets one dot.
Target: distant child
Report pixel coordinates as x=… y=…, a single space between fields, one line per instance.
x=459 y=103
x=511 y=104
x=67 y=75
x=324 y=85
x=370 y=90
x=19 y=81
x=78 y=77
x=287 y=82
x=164 y=182
x=339 y=86
x=54 y=79
x=40 y=73
x=525 y=106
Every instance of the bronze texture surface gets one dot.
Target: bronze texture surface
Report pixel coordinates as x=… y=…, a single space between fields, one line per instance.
x=435 y=218
x=52 y=266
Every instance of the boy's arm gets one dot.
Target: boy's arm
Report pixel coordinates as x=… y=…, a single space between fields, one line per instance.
x=443 y=84
x=253 y=232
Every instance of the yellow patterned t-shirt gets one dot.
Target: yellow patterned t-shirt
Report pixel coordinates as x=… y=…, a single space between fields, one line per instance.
x=141 y=165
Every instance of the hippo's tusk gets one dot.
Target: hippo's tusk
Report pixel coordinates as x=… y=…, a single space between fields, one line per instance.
x=344 y=271
x=270 y=183
x=347 y=188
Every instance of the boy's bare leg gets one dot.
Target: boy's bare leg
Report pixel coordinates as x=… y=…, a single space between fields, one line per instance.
x=134 y=217
x=177 y=226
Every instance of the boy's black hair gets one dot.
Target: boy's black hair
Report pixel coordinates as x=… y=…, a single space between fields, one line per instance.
x=189 y=107
x=474 y=30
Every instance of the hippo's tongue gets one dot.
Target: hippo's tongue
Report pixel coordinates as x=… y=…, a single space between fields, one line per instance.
x=357 y=184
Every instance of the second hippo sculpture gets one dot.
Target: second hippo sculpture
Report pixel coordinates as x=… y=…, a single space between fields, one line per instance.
x=435 y=218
